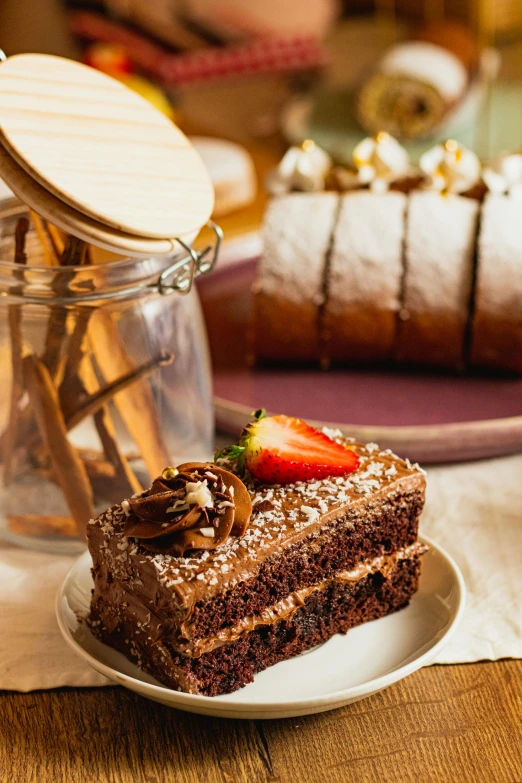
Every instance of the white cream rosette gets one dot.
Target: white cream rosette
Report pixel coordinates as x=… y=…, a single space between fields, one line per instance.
x=378 y=161
x=302 y=168
x=450 y=167
x=504 y=174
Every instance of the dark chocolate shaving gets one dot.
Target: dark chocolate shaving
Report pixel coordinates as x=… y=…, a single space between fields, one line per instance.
x=264 y=505
x=163 y=523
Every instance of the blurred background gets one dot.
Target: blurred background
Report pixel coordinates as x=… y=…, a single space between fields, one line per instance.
x=235 y=68
x=273 y=73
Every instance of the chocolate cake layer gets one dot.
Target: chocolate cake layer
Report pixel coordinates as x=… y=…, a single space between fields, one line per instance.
x=333 y=607
x=299 y=535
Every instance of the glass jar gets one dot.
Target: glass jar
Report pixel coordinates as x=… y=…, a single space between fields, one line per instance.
x=105 y=381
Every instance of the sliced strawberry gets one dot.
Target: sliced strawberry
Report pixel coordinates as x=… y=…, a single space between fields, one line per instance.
x=283 y=449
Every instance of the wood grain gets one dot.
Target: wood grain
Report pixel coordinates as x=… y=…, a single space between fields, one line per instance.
x=101 y=147
x=71 y=220
x=444 y=724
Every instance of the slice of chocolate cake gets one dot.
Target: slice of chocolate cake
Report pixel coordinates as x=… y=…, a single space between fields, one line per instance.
x=206 y=579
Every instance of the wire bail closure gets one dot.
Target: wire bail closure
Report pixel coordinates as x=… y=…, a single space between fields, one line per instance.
x=181 y=274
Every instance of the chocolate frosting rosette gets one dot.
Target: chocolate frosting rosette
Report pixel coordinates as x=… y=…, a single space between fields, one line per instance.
x=195 y=506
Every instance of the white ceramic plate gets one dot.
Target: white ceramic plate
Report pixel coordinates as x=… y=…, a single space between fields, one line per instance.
x=343 y=670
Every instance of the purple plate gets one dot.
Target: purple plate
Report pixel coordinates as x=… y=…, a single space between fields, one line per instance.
x=427 y=416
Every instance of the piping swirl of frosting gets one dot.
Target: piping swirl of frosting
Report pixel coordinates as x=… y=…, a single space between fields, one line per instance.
x=195 y=506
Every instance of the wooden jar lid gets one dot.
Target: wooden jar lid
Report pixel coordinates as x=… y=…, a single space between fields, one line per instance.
x=97 y=159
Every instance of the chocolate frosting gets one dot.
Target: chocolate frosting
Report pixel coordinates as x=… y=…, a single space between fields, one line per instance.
x=196 y=506
x=281 y=517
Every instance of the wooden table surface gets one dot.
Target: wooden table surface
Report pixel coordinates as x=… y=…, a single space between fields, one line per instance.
x=444 y=724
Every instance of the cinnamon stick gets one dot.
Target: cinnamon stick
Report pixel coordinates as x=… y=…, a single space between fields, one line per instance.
x=41 y=525
x=70 y=471
x=96 y=401
x=80 y=397
x=53 y=356
x=105 y=482
x=24 y=420
x=52 y=257
x=125 y=482
x=73 y=254
x=22 y=227
x=57 y=238
x=78 y=384
x=14 y=316
x=136 y=403
x=74 y=251
x=72 y=388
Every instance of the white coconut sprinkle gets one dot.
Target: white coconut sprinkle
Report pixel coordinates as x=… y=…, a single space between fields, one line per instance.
x=305 y=503
x=311 y=513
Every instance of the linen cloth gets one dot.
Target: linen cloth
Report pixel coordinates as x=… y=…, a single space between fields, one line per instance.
x=474 y=510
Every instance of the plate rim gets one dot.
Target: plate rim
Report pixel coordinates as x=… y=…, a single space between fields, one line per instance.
x=299 y=706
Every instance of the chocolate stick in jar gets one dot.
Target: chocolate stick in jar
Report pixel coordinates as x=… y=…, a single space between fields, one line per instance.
x=17 y=380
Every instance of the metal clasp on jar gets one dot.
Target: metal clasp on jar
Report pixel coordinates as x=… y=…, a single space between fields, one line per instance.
x=180 y=275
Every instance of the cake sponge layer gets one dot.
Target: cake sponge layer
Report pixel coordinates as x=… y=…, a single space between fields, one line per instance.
x=340 y=607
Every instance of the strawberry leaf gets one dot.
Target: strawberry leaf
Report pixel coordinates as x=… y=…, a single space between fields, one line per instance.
x=234 y=454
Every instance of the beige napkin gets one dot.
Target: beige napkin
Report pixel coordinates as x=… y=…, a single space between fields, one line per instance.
x=33 y=654
x=474 y=510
